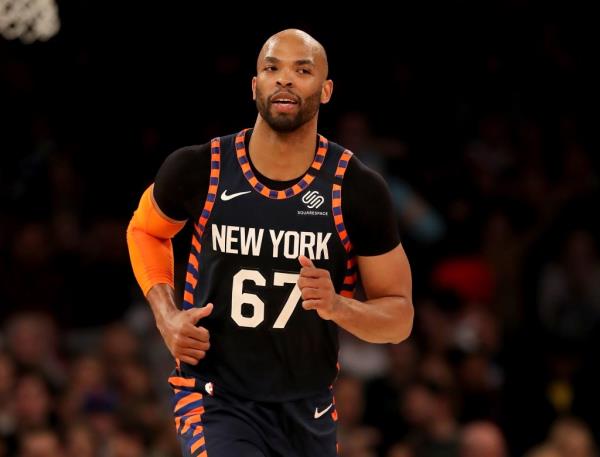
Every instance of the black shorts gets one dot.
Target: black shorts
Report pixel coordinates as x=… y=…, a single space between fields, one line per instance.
x=213 y=423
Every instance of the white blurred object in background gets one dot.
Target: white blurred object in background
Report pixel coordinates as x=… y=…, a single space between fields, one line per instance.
x=29 y=20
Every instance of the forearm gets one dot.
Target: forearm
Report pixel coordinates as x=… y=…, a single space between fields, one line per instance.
x=380 y=320
x=185 y=339
x=161 y=298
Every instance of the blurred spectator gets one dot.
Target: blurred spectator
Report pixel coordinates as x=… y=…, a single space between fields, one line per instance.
x=164 y=441
x=355 y=439
x=544 y=450
x=33 y=402
x=572 y=438
x=361 y=359
x=80 y=442
x=400 y=450
x=8 y=381
x=32 y=340
x=436 y=321
x=491 y=155
x=419 y=219
x=40 y=443
x=429 y=409
x=383 y=407
x=126 y=442
x=87 y=379
x=100 y=411
x=482 y=439
x=119 y=345
x=569 y=290
x=7 y=386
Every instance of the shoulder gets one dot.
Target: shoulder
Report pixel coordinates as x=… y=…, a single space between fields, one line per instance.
x=185 y=166
x=187 y=156
x=368 y=210
x=181 y=180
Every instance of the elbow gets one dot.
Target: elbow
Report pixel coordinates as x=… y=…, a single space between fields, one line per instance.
x=133 y=226
x=404 y=326
x=132 y=234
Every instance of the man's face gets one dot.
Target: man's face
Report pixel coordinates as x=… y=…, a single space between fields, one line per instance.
x=290 y=84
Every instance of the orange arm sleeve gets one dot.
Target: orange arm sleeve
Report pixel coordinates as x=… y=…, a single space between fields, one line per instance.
x=149 y=241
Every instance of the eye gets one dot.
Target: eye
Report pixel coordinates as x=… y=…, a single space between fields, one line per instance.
x=270 y=68
x=304 y=71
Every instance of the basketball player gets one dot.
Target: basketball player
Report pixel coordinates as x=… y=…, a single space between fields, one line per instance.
x=283 y=221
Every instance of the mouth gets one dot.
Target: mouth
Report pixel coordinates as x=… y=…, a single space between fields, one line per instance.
x=284 y=102
x=284 y=98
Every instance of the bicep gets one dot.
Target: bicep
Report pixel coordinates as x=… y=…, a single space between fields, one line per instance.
x=386 y=274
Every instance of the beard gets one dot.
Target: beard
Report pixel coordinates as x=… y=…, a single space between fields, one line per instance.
x=286 y=123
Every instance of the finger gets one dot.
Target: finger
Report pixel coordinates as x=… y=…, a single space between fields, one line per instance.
x=194 y=354
x=191 y=343
x=197 y=333
x=305 y=261
x=196 y=314
x=310 y=272
x=314 y=283
x=189 y=360
x=307 y=282
x=311 y=304
x=310 y=293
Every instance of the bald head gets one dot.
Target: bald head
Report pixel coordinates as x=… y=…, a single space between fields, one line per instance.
x=299 y=40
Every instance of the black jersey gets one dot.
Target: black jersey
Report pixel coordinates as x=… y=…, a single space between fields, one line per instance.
x=244 y=260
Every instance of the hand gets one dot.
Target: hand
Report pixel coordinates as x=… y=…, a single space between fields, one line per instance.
x=317 y=289
x=185 y=341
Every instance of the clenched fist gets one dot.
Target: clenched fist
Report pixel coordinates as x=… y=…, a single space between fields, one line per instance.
x=317 y=289
x=185 y=341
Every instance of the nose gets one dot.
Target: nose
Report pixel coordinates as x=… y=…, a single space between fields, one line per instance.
x=284 y=79
x=282 y=82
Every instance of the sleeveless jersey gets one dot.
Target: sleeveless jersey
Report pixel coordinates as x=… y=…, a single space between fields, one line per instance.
x=244 y=260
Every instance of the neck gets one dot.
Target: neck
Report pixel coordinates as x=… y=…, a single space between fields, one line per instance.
x=282 y=156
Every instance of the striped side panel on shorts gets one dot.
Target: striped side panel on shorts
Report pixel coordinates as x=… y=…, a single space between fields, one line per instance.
x=188 y=411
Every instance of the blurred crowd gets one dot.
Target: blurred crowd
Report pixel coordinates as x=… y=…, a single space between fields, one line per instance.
x=487 y=146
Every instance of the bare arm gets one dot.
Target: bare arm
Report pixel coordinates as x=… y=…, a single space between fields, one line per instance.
x=387 y=314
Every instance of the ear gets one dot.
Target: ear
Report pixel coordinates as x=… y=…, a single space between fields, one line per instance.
x=326 y=91
x=254 y=88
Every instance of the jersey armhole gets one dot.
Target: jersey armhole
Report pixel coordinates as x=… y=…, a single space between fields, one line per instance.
x=338 y=218
x=191 y=277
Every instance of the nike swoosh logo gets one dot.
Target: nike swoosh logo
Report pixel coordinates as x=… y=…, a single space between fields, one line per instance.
x=226 y=197
x=320 y=413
